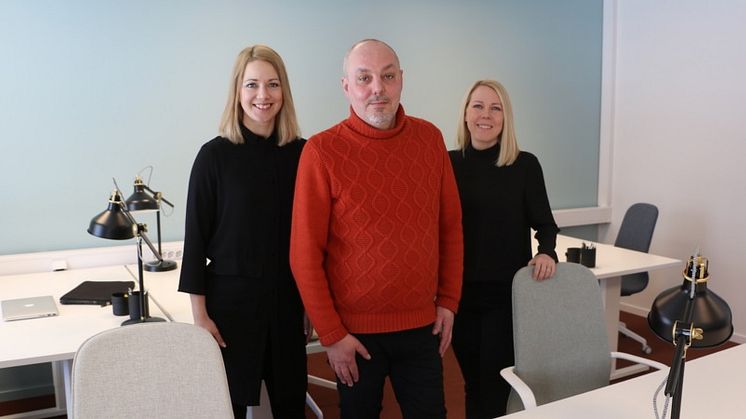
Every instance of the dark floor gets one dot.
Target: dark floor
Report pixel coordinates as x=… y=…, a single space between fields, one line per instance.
x=327 y=398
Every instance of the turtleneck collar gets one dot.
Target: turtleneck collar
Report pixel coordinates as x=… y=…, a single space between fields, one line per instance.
x=250 y=138
x=488 y=154
x=363 y=128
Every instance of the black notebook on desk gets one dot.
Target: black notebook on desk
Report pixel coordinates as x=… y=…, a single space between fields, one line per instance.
x=95 y=292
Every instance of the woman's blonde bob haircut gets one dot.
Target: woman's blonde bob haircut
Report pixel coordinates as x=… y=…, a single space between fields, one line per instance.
x=508 y=145
x=286 y=124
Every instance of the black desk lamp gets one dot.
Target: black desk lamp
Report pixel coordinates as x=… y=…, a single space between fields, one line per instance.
x=695 y=304
x=117 y=223
x=142 y=201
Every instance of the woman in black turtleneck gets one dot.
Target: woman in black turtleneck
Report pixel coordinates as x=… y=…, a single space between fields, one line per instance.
x=238 y=218
x=502 y=197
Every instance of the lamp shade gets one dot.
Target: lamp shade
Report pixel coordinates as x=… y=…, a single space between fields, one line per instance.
x=710 y=312
x=141 y=200
x=112 y=223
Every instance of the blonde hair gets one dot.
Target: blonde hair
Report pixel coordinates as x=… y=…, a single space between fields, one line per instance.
x=508 y=145
x=286 y=124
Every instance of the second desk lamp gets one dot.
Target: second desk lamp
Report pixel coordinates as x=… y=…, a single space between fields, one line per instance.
x=140 y=200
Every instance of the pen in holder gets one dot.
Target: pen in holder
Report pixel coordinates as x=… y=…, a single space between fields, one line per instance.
x=134 y=305
x=588 y=255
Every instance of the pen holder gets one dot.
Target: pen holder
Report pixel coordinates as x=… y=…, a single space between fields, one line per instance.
x=134 y=305
x=573 y=254
x=120 y=303
x=588 y=257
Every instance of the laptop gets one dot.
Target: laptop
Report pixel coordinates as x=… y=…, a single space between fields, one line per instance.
x=95 y=292
x=28 y=308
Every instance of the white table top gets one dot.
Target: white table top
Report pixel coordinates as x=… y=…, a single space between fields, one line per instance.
x=56 y=338
x=713 y=386
x=163 y=289
x=614 y=261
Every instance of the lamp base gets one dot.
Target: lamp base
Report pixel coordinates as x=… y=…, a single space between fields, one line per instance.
x=145 y=320
x=156 y=266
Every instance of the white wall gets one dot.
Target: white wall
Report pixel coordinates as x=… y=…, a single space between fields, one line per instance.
x=679 y=137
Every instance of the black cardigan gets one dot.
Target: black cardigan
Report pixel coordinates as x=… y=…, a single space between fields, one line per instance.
x=500 y=205
x=238 y=210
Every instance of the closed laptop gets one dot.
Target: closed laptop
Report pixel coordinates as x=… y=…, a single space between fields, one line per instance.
x=95 y=292
x=28 y=308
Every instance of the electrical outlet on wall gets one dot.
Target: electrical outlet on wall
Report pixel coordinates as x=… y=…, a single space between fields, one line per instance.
x=172 y=250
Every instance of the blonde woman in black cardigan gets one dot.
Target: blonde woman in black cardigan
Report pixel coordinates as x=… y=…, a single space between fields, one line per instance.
x=238 y=217
x=502 y=198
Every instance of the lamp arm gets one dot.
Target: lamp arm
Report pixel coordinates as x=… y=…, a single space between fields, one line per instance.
x=140 y=231
x=127 y=214
x=158 y=195
x=680 y=340
x=674 y=374
x=144 y=236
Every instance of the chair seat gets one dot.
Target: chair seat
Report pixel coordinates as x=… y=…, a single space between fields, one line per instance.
x=634 y=283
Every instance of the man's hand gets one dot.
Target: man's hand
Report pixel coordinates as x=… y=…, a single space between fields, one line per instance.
x=342 y=358
x=443 y=327
x=544 y=267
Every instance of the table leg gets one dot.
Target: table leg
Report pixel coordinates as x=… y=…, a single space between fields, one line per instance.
x=611 y=289
x=612 y=294
x=65 y=401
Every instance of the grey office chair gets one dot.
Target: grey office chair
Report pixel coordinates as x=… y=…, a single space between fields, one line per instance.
x=636 y=233
x=560 y=341
x=150 y=370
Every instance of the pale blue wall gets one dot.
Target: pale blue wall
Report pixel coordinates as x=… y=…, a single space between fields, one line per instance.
x=101 y=88
x=96 y=89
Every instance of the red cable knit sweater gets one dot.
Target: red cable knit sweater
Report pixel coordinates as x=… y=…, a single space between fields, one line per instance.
x=376 y=238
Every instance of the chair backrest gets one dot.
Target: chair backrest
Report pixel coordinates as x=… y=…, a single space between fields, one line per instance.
x=559 y=334
x=636 y=233
x=150 y=370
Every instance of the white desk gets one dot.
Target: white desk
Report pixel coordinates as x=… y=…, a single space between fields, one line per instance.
x=611 y=263
x=713 y=387
x=56 y=339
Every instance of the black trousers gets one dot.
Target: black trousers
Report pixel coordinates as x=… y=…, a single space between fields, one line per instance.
x=262 y=324
x=411 y=360
x=287 y=398
x=483 y=345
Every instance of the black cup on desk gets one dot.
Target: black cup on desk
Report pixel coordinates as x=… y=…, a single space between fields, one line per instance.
x=120 y=303
x=588 y=257
x=573 y=254
x=134 y=305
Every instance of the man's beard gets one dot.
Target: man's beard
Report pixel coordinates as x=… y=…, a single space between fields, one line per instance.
x=380 y=120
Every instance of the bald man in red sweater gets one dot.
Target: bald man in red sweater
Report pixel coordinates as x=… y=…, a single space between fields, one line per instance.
x=376 y=243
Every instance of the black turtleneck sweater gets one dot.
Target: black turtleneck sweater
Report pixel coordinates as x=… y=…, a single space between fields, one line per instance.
x=238 y=210
x=500 y=206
